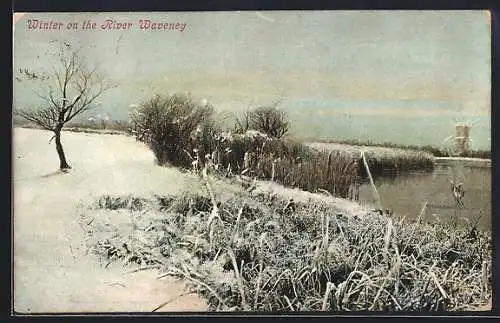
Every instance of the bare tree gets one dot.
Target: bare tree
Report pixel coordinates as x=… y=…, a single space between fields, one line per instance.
x=69 y=90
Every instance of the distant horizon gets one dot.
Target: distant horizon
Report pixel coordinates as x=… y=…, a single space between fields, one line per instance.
x=309 y=135
x=398 y=76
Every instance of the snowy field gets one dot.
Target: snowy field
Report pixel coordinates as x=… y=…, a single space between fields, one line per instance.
x=52 y=272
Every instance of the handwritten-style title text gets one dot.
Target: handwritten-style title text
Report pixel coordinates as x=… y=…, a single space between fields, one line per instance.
x=108 y=24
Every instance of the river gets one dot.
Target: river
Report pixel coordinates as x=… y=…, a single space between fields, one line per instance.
x=406 y=194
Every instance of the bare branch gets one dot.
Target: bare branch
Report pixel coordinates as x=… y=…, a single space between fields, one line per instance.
x=58 y=77
x=83 y=101
x=76 y=90
x=86 y=105
x=44 y=118
x=53 y=100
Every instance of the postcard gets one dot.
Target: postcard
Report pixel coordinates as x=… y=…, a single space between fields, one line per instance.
x=265 y=161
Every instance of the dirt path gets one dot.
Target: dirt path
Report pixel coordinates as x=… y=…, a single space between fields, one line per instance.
x=52 y=273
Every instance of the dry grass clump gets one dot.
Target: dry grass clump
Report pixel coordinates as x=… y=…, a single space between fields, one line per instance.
x=260 y=252
x=121 y=202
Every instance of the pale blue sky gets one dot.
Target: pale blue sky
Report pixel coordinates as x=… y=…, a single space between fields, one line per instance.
x=413 y=65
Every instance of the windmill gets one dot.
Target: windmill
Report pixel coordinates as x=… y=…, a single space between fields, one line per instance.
x=461 y=140
x=460 y=143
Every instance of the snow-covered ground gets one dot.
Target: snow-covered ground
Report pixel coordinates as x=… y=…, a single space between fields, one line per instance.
x=52 y=273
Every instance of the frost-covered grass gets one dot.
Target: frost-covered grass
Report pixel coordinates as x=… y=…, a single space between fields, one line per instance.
x=259 y=251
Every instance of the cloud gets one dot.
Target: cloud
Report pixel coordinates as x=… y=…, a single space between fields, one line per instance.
x=407 y=113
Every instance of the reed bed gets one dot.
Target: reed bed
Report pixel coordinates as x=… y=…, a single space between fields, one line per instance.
x=256 y=155
x=383 y=161
x=293 y=164
x=256 y=252
x=397 y=161
x=434 y=150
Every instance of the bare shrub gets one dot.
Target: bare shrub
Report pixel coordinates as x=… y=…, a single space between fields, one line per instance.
x=171 y=126
x=267 y=119
x=114 y=125
x=184 y=134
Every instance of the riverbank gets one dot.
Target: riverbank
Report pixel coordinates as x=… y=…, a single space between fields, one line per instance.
x=261 y=251
x=265 y=247
x=464 y=161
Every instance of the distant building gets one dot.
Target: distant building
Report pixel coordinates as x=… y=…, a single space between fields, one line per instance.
x=462 y=137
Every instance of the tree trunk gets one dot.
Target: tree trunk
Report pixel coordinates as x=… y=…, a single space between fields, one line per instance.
x=63 y=165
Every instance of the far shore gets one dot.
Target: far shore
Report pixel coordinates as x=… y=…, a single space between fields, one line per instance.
x=467 y=161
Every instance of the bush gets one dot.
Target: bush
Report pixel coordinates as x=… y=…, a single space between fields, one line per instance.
x=268 y=120
x=180 y=131
x=483 y=154
x=172 y=127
